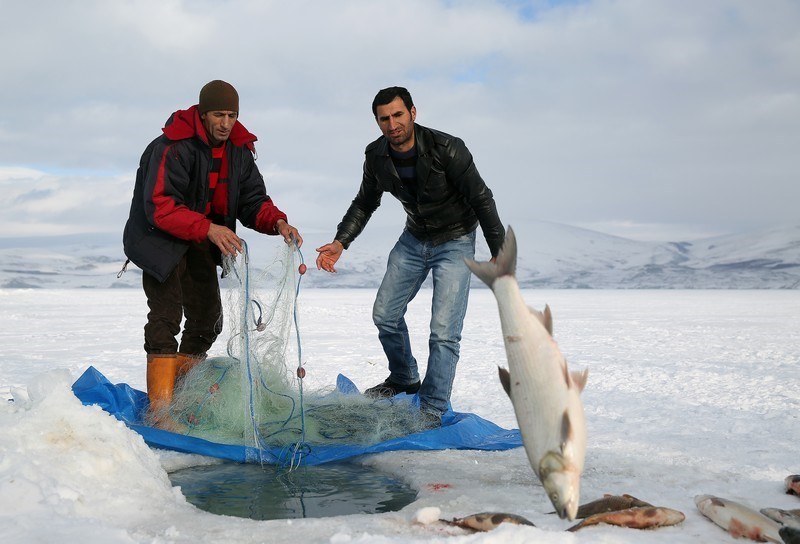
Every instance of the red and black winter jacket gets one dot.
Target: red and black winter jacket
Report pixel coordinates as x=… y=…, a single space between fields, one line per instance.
x=171 y=195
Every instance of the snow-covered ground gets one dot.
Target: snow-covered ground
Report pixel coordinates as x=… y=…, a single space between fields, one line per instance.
x=689 y=392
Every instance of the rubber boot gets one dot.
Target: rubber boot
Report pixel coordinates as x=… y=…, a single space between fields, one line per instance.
x=162 y=371
x=187 y=362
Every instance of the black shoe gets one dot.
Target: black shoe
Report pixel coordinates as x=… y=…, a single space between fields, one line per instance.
x=389 y=389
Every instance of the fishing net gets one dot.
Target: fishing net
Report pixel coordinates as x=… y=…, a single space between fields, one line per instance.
x=254 y=396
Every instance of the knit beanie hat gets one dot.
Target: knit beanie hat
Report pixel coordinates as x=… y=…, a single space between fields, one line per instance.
x=218 y=95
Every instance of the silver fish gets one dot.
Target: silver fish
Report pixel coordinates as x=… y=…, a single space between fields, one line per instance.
x=486 y=521
x=738 y=519
x=639 y=517
x=784 y=517
x=545 y=395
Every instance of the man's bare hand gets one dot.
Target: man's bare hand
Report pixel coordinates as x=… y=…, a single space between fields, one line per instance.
x=225 y=239
x=289 y=233
x=328 y=255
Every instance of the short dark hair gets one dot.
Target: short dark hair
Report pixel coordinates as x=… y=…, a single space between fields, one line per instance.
x=388 y=94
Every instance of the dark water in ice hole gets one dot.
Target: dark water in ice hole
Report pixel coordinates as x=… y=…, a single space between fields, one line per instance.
x=269 y=492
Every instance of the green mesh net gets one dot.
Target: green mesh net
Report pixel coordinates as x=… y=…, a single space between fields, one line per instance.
x=254 y=395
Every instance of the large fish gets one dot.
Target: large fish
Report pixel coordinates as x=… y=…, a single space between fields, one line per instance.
x=738 y=519
x=638 y=517
x=545 y=395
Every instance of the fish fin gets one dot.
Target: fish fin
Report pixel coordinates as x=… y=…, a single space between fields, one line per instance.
x=580 y=525
x=579 y=378
x=576 y=378
x=547 y=319
x=507 y=257
x=566 y=430
x=486 y=271
x=505 y=379
x=504 y=265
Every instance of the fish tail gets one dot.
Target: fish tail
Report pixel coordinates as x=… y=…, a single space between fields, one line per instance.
x=505 y=264
x=486 y=271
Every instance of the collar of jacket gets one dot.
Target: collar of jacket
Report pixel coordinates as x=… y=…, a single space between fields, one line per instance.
x=423 y=139
x=184 y=124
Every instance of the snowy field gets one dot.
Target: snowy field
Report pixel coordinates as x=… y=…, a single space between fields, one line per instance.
x=689 y=392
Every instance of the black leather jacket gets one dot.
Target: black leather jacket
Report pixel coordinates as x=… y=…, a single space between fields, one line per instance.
x=450 y=201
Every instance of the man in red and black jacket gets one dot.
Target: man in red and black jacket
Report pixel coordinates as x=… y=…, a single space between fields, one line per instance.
x=194 y=182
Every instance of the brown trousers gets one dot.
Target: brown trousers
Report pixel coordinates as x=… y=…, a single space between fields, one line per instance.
x=191 y=291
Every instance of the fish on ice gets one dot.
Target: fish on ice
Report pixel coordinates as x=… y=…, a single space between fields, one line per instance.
x=638 y=517
x=544 y=393
x=486 y=521
x=739 y=520
x=609 y=503
x=784 y=517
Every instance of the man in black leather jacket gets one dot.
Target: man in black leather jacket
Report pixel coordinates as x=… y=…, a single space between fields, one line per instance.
x=434 y=177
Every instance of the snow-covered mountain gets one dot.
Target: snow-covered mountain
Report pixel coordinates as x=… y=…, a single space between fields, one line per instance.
x=551 y=255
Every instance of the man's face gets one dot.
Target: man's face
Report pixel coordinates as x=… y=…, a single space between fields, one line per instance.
x=397 y=123
x=218 y=125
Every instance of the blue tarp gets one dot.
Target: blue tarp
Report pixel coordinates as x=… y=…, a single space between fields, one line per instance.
x=458 y=430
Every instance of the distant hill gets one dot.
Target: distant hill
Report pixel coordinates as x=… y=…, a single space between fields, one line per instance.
x=551 y=256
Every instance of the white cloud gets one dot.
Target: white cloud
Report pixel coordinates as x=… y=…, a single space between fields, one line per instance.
x=593 y=112
x=39 y=204
x=167 y=24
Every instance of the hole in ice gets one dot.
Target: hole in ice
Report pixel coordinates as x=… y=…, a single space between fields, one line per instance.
x=269 y=492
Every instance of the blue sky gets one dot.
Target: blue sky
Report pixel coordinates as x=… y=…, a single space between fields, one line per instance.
x=660 y=120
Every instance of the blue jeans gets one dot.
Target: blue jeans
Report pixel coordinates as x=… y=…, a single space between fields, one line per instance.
x=410 y=261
